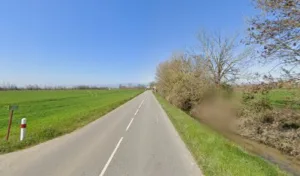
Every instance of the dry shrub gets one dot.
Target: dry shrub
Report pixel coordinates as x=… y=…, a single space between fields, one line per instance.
x=187 y=79
x=256 y=97
x=279 y=128
x=182 y=81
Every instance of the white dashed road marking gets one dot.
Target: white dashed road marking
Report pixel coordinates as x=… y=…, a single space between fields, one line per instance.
x=129 y=124
x=111 y=157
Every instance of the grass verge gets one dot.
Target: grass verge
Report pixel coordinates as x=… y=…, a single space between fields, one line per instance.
x=214 y=154
x=53 y=113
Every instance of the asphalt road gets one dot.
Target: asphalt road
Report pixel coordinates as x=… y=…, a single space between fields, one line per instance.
x=136 y=139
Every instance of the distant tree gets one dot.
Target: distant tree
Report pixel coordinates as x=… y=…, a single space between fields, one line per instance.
x=33 y=87
x=277 y=30
x=152 y=84
x=81 y=87
x=9 y=86
x=60 y=88
x=122 y=86
x=84 y=87
x=141 y=86
x=222 y=57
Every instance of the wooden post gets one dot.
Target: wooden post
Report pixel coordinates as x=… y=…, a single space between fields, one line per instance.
x=9 y=123
x=11 y=114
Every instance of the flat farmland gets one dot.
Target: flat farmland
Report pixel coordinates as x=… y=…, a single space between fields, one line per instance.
x=51 y=113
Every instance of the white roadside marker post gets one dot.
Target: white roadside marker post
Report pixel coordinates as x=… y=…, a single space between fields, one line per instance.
x=23 y=129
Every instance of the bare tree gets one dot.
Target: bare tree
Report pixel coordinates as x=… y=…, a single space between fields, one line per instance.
x=33 y=87
x=8 y=86
x=223 y=57
x=277 y=30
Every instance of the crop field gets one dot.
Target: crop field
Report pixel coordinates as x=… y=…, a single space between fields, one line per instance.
x=51 y=113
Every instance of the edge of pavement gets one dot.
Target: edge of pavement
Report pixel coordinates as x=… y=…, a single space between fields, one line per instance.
x=181 y=144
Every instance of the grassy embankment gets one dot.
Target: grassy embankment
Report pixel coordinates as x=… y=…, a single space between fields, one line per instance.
x=53 y=113
x=214 y=154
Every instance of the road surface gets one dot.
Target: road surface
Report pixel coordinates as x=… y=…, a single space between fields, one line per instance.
x=136 y=139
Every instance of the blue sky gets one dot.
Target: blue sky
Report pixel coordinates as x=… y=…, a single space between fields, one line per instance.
x=104 y=42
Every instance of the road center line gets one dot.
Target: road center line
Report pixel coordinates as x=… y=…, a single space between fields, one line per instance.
x=111 y=157
x=129 y=124
x=141 y=104
x=136 y=112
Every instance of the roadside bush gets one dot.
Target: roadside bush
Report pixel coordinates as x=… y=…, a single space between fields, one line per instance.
x=183 y=82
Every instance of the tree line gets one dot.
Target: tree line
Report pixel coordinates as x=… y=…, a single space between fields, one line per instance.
x=186 y=78
x=37 y=87
x=6 y=87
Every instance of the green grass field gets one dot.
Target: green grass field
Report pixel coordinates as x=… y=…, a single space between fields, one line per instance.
x=285 y=97
x=214 y=154
x=53 y=113
x=281 y=98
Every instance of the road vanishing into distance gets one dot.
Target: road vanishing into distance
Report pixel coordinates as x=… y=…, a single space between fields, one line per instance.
x=136 y=139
